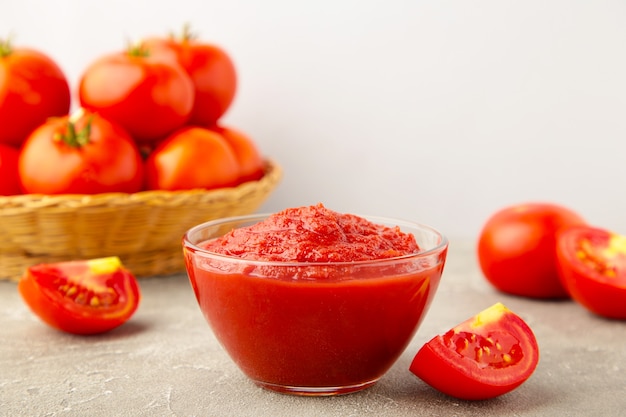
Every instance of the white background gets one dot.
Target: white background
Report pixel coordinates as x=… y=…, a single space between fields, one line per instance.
x=436 y=111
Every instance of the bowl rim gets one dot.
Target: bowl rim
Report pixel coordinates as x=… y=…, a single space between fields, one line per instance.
x=440 y=247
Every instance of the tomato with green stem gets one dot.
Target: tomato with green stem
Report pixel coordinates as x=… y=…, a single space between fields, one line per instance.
x=32 y=88
x=210 y=67
x=592 y=267
x=10 y=183
x=517 y=249
x=484 y=357
x=81 y=297
x=80 y=154
x=148 y=96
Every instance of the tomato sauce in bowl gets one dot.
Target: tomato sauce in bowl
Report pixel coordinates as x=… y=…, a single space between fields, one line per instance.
x=310 y=301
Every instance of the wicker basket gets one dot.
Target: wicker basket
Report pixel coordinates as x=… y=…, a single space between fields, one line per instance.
x=144 y=229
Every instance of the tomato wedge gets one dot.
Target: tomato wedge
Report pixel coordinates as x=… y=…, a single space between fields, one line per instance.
x=486 y=356
x=81 y=297
x=592 y=267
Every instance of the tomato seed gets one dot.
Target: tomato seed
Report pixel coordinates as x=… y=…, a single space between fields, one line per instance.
x=507 y=350
x=84 y=296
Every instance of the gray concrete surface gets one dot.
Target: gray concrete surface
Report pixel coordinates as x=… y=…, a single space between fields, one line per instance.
x=166 y=362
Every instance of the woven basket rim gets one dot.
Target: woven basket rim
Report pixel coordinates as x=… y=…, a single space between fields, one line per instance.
x=12 y=204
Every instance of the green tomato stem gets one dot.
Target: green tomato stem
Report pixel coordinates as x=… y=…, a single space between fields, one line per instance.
x=138 y=50
x=74 y=138
x=5 y=47
x=187 y=35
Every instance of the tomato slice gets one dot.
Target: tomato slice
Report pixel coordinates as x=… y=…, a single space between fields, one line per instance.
x=486 y=356
x=81 y=297
x=592 y=267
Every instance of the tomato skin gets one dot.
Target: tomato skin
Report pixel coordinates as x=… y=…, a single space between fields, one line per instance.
x=62 y=294
x=10 y=183
x=211 y=69
x=248 y=155
x=110 y=162
x=192 y=157
x=517 y=249
x=450 y=364
x=148 y=97
x=592 y=267
x=32 y=88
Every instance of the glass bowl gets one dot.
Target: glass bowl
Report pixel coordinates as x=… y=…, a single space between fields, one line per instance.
x=312 y=328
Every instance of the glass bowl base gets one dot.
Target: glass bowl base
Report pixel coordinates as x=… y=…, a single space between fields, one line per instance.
x=316 y=391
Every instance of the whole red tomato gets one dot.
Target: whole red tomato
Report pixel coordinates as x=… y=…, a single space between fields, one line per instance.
x=81 y=154
x=149 y=97
x=32 y=88
x=9 y=178
x=592 y=266
x=192 y=157
x=211 y=69
x=486 y=356
x=517 y=249
x=81 y=297
x=248 y=155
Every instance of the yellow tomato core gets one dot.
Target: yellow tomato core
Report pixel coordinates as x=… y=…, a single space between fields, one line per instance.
x=489 y=315
x=606 y=260
x=617 y=246
x=104 y=265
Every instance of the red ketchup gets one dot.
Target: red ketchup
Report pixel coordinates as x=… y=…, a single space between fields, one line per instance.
x=312 y=301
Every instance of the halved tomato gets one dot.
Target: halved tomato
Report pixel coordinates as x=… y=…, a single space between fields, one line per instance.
x=486 y=356
x=592 y=267
x=81 y=297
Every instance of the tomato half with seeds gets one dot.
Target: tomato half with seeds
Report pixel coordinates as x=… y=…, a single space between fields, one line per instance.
x=484 y=357
x=592 y=267
x=81 y=297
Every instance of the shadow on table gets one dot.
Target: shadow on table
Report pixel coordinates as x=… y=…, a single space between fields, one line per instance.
x=527 y=399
